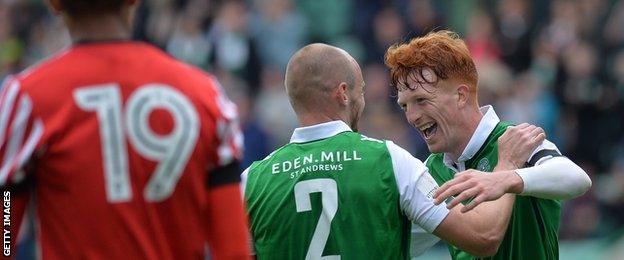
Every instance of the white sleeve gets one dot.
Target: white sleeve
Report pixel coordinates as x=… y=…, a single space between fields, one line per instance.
x=544 y=151
x=416 y=188
x=243 y=183
x=551 y=176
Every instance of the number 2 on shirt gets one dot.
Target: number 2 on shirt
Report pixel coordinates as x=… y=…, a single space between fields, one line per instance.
x=329 y=200
x=171 y=151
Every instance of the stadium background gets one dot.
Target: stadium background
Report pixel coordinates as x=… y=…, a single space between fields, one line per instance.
x=558 y=64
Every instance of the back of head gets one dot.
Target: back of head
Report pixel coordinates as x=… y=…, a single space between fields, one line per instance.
x=314 y=72
x=77 y=8
x=443 y=52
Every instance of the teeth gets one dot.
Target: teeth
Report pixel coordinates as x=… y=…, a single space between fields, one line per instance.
x=425 y=126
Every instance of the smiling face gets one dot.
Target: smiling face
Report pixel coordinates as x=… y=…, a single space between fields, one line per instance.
x=431 y=106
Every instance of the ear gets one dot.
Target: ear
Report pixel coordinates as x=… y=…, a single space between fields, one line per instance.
x=463 y=95
x=343 y=93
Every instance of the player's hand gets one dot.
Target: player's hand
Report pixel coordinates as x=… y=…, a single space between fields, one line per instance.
x=481 y=186
x=517 y=143
x=514 y=148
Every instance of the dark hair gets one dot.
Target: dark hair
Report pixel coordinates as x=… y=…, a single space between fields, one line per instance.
x=88 y=7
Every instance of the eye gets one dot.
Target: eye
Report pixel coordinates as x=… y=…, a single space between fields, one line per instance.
x=421 y=100
x=403 y=107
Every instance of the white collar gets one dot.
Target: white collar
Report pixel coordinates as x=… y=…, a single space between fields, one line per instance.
x=484 y=129
x=318 y=131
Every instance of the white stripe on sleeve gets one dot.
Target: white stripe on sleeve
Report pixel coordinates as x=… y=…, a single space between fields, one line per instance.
x=6 y=107
x=19 y=127
x=18 y=152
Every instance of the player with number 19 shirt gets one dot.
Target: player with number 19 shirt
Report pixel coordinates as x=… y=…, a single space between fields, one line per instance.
x=127 y=148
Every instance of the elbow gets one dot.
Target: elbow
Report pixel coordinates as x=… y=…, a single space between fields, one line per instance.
x=583 y=184
x=487 y=246
x=586 y=184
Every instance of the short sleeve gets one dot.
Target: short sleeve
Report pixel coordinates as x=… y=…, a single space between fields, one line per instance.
x=20 y=132
x=229 y=134
x=416 y=188
x=228 y=139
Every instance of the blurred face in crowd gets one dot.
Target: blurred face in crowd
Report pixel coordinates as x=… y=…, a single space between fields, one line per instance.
x=431 y=106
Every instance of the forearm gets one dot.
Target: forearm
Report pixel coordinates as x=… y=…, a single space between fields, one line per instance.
x=479 y=231
x=493 y=217
x=556 y=178
x=227 y=233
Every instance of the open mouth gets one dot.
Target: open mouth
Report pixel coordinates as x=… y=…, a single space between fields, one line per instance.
x=428 y=130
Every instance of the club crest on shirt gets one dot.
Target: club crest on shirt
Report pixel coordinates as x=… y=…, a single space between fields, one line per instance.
x=484 y=165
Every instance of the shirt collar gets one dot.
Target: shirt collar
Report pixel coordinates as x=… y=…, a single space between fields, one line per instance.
x=484 y=129
x=319 y=131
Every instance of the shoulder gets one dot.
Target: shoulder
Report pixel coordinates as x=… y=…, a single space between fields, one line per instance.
x=364 y=143
x=403 y=161
x=49 y=69
x=358 y=137
x=434 y=158
x=266 y=160
x=199 y=85
x=184 y=71
x=504 y=124
x=397 y=152
x=500 y=128
x=544 y=151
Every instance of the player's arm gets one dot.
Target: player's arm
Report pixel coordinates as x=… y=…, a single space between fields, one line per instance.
x=20 y=136
x=481 y=231
x=416 y=188
x=552 y=177
x=228 y=236
x=478 y=232
x=474 y=232
x=20 y=132
x=227 y=231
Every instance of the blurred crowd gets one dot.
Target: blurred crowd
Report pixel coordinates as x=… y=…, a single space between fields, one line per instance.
x=558 y=64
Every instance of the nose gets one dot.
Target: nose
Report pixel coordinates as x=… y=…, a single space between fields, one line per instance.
x=412 y=114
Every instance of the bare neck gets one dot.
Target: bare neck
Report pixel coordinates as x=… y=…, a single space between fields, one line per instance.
x=309 y=119
x=470 y=124
x=100 y=27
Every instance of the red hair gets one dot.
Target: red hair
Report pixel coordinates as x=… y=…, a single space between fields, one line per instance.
x=443 y=52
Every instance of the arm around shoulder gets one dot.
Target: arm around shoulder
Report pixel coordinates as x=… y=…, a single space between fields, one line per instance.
x=555 y=178
x=481 y=230
x=549 y=175
x=472 y=231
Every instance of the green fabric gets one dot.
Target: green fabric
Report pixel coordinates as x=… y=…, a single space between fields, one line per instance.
x=368 y=223
x=534 y=225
